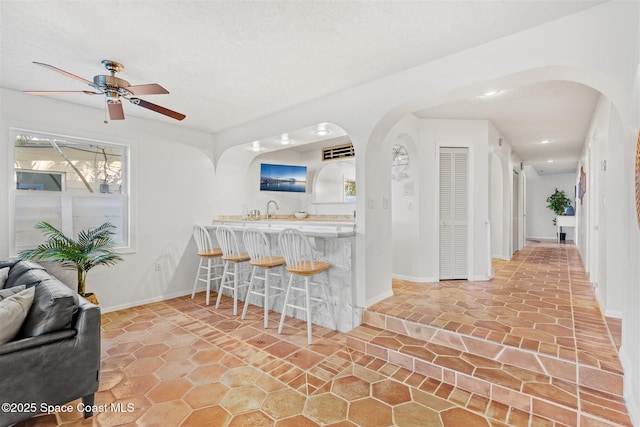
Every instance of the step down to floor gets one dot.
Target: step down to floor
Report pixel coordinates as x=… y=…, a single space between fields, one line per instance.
x=560 y=390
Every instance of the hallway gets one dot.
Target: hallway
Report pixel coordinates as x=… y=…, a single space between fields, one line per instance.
x=528 y=348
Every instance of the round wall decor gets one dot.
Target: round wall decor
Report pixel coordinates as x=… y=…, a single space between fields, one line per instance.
x=399 y=162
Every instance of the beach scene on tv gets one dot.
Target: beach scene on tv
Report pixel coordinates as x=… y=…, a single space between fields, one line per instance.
x=283 y=178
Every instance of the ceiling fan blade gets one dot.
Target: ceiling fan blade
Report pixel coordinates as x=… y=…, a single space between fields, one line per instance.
x=60 y=92
x=116 y=112
x=148 y=89
x=157 y=108
x=65 y=73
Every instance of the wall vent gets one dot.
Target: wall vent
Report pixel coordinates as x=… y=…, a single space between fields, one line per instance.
x=338 y=152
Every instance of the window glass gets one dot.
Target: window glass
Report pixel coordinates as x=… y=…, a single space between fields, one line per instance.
x=73 y=183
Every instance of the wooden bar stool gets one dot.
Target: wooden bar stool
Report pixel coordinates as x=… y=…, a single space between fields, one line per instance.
x=212 y=268
x=232 y=258
x=301 y=262
x=257 y=244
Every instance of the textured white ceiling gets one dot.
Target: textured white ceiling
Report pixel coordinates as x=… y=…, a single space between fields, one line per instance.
x=228 y=62
x=557 y=111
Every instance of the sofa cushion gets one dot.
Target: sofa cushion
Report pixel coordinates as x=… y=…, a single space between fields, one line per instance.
x=54 y=305
x=25 y=273
x=13 y=311
x=4 y=273
x=6 y=293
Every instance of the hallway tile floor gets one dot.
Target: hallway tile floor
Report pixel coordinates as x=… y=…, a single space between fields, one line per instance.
x=440 y=354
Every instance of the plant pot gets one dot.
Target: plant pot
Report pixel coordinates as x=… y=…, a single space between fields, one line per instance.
x=91 y=297
x=563 y=237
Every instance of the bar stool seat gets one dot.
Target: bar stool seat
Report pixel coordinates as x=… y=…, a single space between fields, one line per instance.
x=232 y=257
x=210 y=270
x=307 y=268
x=301 y=262
x=257 y=244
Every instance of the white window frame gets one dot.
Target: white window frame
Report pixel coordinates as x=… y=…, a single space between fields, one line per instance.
x=127 y=188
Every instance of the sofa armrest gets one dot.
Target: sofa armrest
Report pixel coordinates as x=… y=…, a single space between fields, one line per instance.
x=56 y=372
x=87 y=324
x=26 y=343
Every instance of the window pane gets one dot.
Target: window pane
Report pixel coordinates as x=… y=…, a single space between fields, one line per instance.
x=30 y=210
x=75 y=184
x=92 y=211
x=87 y=166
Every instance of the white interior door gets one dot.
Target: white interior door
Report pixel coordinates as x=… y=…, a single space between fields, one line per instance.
x=454 y=196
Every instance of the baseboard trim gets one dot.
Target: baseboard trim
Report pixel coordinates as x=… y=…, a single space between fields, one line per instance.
x=414 y=278
x=379 y=298
x=164 y=297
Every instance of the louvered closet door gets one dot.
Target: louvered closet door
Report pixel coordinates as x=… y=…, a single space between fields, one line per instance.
x=454 y=194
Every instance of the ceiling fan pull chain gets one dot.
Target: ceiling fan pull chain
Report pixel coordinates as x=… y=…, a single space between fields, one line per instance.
x=105 y=112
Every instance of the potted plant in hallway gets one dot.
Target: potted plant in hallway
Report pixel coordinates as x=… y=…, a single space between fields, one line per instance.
x=91 y=248
x=558 y=202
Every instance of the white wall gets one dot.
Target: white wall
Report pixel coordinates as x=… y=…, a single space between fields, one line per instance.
x=539 y=217
x=172 y=173
x=415 y=231
x=410 y=261
x=501 y=194
x=630 y=351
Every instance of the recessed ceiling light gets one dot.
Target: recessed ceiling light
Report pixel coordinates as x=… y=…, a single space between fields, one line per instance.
x=549 y=161
x=493 y=92
x=284 y=139
x=322 y=130
x=545 y=141
x=255 y=146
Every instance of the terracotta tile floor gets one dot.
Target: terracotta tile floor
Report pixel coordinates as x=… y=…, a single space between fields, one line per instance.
x=533 y=337
x=181 y=363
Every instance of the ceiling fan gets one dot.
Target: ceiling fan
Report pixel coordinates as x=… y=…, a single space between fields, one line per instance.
x=114 y=89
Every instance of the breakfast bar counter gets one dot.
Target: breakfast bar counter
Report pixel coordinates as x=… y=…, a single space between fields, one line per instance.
x=328 y=226
x=333 y=240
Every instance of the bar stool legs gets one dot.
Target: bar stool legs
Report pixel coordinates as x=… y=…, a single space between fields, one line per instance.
x=309 y=302
x=209 y=272
x=232 y=257
x=301 y=263
x=232 y=287
x=266 y=294
x=257 y=244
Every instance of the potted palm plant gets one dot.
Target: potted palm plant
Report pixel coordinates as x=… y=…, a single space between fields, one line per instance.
x=558 y=202
x=90 y=249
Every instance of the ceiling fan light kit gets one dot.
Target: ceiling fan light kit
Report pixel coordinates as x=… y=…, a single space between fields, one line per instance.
x=115 y=88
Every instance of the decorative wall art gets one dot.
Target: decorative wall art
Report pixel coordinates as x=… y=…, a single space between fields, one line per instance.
x=582 y=186
x=283 y=178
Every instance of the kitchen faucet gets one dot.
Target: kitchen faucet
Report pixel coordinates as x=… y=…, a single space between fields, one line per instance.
x=268 y=204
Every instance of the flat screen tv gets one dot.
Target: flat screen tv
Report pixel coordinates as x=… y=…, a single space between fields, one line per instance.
x=283 y=178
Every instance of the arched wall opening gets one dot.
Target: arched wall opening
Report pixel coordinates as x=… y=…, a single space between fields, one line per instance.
x=377 y=162
x=238 y=173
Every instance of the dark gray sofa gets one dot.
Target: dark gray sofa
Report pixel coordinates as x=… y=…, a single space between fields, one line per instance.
x=55 y=358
